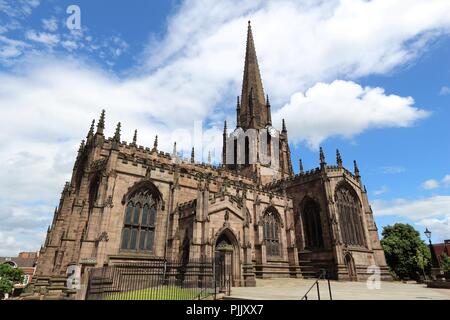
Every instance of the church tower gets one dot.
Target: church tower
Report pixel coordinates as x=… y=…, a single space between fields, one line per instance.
x=255 y=148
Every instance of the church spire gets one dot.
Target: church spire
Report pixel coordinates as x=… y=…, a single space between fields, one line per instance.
x=252 y=88
x=269 y=113
x=301 y=167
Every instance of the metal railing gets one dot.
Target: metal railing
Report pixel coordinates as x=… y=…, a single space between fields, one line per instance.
x=153 y=280
x=323 y=276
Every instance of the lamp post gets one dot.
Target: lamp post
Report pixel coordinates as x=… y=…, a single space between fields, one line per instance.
x=434 y=262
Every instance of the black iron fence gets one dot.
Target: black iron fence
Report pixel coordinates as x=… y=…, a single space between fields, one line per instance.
x=159 y=280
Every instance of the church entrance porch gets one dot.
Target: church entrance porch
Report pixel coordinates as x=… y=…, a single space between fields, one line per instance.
x=227 y=261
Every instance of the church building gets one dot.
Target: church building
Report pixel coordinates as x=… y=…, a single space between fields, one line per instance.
x=126 y=202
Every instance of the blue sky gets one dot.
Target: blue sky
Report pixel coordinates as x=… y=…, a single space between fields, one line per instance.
x=369 y=78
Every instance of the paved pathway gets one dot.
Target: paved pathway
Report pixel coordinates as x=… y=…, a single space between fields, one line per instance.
x=294 y=289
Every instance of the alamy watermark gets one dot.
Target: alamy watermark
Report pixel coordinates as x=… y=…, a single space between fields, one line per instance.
x=73 y=22
x=374 y=280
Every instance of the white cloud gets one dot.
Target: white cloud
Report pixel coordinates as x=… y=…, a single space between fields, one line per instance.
x=440 y=227
x=444 y=91
x=18 y=8
x=446 y=180
x=381 y=190
x=430 y=184
x=50 y=24
x=392 y=169
x=344 y=108
x=431 y=207
x=195 y=71
x=434 y=211
x=10 y=48
x=43 y=37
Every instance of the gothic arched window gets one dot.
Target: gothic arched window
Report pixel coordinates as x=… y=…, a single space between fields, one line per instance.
x=312 y=225
x=350 y=220
x=272 y=233
x=138 y=232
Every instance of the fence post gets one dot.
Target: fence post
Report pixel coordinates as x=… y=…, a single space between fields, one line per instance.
x=318 y=290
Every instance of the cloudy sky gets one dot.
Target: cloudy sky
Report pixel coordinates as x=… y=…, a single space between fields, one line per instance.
x=371 y=78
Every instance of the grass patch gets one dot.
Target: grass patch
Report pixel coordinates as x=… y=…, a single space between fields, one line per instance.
x=159 y=293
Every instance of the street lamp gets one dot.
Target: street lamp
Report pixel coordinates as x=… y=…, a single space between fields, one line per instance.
x=428 y=234
x=434 y=261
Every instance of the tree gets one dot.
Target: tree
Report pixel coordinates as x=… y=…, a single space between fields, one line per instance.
x=8 y=277
x=445 y=262
x=406 y=254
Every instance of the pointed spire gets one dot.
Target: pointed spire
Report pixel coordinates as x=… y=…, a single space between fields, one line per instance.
x=338 y=158
x=193 y=155
x=209 y=157
x=174 y=152
x=356 y=168
x=322 y=158
x=301 y=167
x=269 y=113
x=252 y=84
x=91 y=130
x=155 y=144
x=135 y=137
x=225 y=127
x=284 y=127
x=101 y=123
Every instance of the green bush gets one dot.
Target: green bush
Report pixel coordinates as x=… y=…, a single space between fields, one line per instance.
x=8 y=277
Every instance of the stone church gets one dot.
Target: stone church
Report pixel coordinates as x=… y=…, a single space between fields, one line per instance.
x=126 y=202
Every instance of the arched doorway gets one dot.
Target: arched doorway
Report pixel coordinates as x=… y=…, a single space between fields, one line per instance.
x=227 y=260
x=351 y=268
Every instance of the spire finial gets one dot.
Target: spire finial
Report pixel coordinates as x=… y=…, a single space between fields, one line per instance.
x=174 y=149
x=155 y=144
x=356 y=168
x=91 y=130
x=225 y=127
x=116 y=138
x=101 y=123
x=269 y=113
x=322 y=158
x=284 y=126
x=117 y=133
x=193 y=155
x=81 y=146
x=301 y=167
x=338 y=158
x=135 y=137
